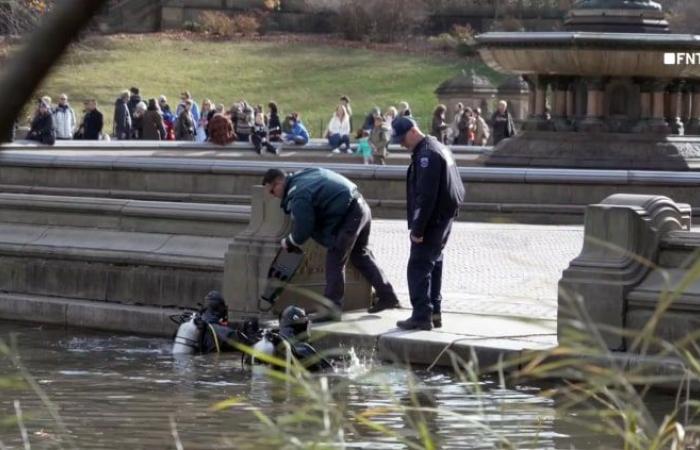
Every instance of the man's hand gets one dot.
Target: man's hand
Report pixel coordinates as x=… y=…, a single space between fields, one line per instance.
x=289 y=246
x=416 y=239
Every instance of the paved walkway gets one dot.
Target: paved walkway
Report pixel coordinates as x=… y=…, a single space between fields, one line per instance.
x=500 y=289
x=496 y=269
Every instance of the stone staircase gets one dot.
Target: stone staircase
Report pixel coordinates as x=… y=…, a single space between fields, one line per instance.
x=161 y=254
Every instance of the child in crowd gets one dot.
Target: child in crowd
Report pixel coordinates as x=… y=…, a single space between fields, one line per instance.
x=364 y=149
x=259 y=137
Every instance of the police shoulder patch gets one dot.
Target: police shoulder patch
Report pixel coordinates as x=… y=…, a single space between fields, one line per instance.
x=424 y=162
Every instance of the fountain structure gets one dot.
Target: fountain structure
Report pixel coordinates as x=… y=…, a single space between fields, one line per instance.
x=620 y=86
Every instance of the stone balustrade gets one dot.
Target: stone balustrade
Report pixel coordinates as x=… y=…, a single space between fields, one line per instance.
x=636 y=265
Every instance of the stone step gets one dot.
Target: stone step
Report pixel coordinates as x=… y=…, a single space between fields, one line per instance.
x=197 y=219
x=111 y=266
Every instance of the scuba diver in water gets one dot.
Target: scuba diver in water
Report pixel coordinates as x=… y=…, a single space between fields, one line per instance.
x=293 y=334
x=209 y=330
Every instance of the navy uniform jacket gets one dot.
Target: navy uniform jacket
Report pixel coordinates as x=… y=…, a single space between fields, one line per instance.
x=318 y=200
x=434 y=188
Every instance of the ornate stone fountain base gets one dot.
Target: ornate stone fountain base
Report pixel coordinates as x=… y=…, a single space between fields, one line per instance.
x=598 y=151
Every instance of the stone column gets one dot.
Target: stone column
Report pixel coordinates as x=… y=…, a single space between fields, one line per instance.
x=559 y=113
x=694 y=122
x=657 y=123
x=686 y=102
x=571 y=100
x=593 y=122
x=645 y=105
x=675 y=112
x=538 y=98
x=253 y=250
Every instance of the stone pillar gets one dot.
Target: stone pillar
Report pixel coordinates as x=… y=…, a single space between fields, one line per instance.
x=571 y=101
x=686 y=102
x=594 y=109
x=645 y=105
x=675 y=112
x=253 y=250
x=694 y=122
x=538 y=97
x=622 y=233
x=559 y=113
x=657 y=123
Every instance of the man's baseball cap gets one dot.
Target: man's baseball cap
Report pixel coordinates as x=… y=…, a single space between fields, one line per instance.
x=402 y=125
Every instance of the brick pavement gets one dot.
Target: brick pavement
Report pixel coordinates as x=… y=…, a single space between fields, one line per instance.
x=490 y=268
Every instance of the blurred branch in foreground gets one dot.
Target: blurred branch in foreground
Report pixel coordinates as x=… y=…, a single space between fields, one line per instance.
x=32 y=63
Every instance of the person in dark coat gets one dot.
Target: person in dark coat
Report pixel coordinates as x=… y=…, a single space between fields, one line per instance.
x=134 y=99
x=185 y=128
x=439 y=126
x=122 y=117
x=502 y=124
x=274 y=126
x=152 y=123
x=42 y=129
x=328 y=207
x=93 y=122
x=434 y=192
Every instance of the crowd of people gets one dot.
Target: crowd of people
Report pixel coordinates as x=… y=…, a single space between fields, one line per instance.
x=155 y=120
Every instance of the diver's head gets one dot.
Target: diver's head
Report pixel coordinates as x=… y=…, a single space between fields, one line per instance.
x=215 y=309
x=293 y=321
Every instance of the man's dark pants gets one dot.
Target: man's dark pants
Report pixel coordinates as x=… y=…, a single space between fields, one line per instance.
x=351 y=243
x=425 y=272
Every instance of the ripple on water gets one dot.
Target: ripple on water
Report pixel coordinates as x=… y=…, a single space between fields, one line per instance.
x=116 y=392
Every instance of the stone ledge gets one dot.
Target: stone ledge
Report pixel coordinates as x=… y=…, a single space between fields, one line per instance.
x=124 y=215
x=150 y=249
x=89 y=314
x=490 y=338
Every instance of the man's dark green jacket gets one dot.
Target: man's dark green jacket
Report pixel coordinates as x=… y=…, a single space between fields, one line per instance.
x=318 y=200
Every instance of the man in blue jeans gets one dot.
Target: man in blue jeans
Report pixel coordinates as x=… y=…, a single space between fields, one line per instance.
x=327 y=207
x=434 y=191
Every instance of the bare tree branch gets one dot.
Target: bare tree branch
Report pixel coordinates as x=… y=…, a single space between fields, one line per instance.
x=28 y=68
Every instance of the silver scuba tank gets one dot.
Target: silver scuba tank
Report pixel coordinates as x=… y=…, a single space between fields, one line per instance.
x=264 y=346
x=188 y=337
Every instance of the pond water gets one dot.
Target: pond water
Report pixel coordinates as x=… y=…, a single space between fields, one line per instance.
x=124 y=392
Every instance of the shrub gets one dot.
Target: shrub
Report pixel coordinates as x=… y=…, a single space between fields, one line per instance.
x=220 y=24
x=380 y=20
x=246 y=24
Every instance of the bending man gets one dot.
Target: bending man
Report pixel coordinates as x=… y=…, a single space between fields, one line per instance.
x=327 y=207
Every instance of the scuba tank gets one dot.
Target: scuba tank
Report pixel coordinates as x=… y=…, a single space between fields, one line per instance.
x=264 y=346
x=188 y=336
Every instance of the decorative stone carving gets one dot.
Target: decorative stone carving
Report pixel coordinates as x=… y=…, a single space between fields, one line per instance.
x=622 y=236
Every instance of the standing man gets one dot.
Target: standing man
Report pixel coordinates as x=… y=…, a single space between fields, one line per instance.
x=122 y=117
x=328 y=207
x=434 y=191
x=502 y=122
x=92 y=122
x=64 y=119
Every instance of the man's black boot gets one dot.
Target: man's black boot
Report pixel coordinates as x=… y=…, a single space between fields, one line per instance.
x=411 y=324
x=384 y=304
x=437 y=320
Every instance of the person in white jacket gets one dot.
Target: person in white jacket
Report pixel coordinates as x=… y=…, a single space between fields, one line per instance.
x=64 y=119
x=338 y=131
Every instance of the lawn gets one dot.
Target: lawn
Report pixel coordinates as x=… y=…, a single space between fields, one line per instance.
x=299 y=77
